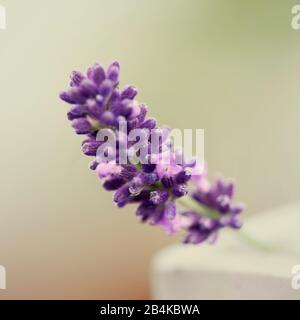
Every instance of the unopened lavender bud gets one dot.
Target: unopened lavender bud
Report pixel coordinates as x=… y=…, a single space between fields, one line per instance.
x=93 y=165
x=170 y=210
x=129 y=92
x=67 y=97
x=77 y=95
x=108 y=169
x=148 y=168
x=93 y=108
x=113 y=74
x=98 y=74
x=125 y=111
x=167 y=181
x=150 y=178
x=236 y=221
x=106 y=88
x=128 y=171
x=149 y=124
x=113 y=184
x=113 y=71
x=158 y=197
x=76 y=78
x=238 y=208
x=108 y=118
x=122 y=196
x=81 y=126
x=115 y=99
x=223 y=201
x=143 y=112
x=184 y=175
x=136 y=186
x=90 y=72
x=135 y=111
x=77 y=111
x=179 y=190
x=88 y=88
x=100 y=100
x=90 y=147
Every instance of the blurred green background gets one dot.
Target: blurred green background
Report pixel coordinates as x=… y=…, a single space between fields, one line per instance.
x=231 y=67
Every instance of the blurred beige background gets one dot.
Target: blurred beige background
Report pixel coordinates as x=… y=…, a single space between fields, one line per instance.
x=231 y=67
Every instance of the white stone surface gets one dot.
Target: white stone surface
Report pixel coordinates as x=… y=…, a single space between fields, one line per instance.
x=233 y=269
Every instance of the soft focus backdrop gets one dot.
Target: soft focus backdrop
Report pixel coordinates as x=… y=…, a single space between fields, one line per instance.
x=231 y=67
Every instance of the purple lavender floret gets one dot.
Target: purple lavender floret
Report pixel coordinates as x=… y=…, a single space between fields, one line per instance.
x=218 y=197
x=157 y=187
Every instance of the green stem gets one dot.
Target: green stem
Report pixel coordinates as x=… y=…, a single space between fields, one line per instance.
x=192 y=204
x=249 y=239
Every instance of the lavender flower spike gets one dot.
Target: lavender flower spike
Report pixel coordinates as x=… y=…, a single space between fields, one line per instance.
x=160 y=189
